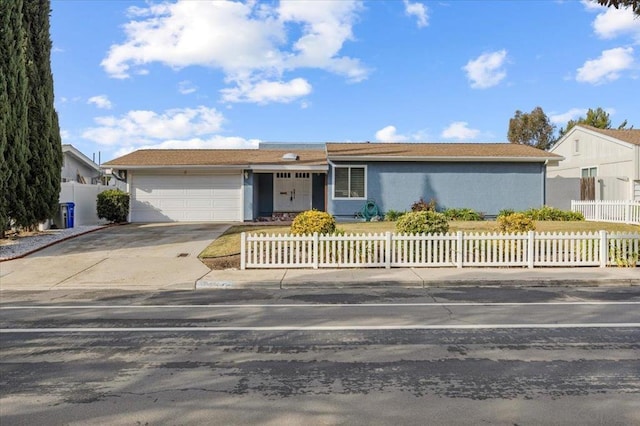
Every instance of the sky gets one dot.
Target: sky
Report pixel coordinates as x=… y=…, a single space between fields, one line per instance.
x=229 y=74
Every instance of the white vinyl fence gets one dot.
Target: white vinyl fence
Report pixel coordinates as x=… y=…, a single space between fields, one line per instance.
x=85 y=198
x=444 y=250
x=609 y=211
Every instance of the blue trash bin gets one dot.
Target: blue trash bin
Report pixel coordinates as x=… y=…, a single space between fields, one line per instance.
x=70 y=214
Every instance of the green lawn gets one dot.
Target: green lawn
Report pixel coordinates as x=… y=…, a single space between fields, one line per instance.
x=229 y=243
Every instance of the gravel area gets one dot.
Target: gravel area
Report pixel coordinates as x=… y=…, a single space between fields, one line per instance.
x=16 y=247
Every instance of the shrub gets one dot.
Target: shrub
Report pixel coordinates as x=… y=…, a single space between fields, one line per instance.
x=515 y=222
x=113 y=205
x=428 y=222
x=393 y=215
x=462 y=214
x=552 y=213
x=506 y=212
x=306 y=223
x=421 y=205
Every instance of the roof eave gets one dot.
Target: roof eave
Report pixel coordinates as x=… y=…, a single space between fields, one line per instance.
x=444 y=158
x=173 y=166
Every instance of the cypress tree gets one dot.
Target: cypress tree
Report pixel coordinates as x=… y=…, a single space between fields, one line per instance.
x=14 y=147
x=45 y=149
x=4 y=169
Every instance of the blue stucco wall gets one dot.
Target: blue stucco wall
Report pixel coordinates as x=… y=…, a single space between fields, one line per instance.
x=484 y=187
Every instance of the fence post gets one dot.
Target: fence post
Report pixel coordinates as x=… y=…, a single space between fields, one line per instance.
x=459 y=249
x=243 y=251
x=316 y=249
x=387 y=250
x=604 y=249
x=531 y=249
x=627 y=212
x=598 y=208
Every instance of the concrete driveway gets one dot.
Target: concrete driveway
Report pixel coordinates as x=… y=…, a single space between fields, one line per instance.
x=134 y=256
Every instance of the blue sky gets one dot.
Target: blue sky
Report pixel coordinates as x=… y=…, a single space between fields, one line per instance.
x=222 y=74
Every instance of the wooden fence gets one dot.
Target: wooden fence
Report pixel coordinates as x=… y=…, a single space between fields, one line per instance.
x=443 y=250
x=609 y=211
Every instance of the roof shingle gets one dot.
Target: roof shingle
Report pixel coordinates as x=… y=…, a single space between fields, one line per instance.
x=631 y=136
x=442 y=150
x=216 y=157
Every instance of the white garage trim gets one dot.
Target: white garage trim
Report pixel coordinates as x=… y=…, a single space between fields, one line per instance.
x=186 y=197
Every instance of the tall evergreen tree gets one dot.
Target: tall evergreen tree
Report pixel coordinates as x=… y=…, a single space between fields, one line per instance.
x=4 y=168
x=15 y=148
x=598 y=118
x=43 y=179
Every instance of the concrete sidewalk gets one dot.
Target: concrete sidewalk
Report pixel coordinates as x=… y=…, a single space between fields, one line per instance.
x=418 y=277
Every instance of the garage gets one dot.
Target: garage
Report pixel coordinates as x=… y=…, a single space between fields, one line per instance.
x=186 y=197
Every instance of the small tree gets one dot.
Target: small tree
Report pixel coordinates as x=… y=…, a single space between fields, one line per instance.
x=113 y=205
x=533 y=129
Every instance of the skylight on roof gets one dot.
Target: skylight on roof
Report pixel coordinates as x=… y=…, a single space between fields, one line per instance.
x=290 y=156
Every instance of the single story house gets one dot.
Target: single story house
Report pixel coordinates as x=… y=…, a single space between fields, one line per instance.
x=246 y=184
x=611 y=157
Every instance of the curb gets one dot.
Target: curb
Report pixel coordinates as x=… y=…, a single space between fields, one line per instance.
x=283 y=285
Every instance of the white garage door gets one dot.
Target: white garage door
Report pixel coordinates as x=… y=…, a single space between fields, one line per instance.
x=186 y=198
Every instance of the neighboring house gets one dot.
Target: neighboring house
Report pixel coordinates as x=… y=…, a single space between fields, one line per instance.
x=81 y=184
x=611 y=157
x=77 y=167
x=244 y=185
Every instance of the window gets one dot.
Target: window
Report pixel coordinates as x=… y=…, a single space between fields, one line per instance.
x=349 y=182
x=588 y=172
x=576 y=146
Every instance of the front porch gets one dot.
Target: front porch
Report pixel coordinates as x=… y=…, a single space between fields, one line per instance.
x=280 y=195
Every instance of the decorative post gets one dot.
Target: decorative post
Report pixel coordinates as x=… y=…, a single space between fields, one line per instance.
x=459 y=249
x=316 y=250
x=604 y=249
x=243 y=251
x=387 y=250
x=531 y=249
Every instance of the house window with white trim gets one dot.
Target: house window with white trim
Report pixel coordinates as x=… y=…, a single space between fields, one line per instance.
x=349 y=182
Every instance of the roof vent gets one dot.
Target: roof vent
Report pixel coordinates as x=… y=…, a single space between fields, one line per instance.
x=290 y=156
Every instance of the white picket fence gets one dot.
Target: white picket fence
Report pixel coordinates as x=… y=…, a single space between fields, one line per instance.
x=609 y=211
x=443 y=250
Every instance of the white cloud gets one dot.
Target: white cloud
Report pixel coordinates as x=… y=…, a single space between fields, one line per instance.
x=214 y=142
x=418 y=10
x=572 y=114
x=459 y=130
x=611 y=23
x=148 y=127
x=64 y=135
x=186 y=87
x=487 y=69
x=100 y=101
x=390 y=134
x=607 y=67
x=264 y=92
x=195 y=33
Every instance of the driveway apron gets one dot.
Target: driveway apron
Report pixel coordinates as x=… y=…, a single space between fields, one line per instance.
x=133 y=256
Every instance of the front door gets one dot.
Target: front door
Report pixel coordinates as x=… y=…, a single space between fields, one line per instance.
x=292 y=191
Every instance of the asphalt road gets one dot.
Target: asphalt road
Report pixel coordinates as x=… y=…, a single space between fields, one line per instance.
x=440 y=356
